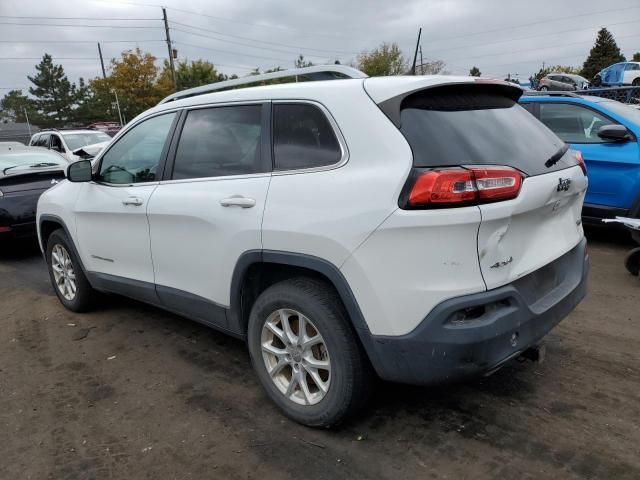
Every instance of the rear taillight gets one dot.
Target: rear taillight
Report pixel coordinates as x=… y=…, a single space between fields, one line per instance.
x=580 y=161
x=460 y=186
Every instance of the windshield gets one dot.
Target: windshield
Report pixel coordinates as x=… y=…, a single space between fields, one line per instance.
x=20 y=160
x=79 y=140
x=628 y=112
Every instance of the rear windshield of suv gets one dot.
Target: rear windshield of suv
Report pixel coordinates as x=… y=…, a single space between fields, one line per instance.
x=477 y=125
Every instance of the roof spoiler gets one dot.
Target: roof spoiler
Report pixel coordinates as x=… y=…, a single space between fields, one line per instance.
x=317 y=72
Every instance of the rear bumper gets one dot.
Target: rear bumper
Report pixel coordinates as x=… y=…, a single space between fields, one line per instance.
x=499 y=324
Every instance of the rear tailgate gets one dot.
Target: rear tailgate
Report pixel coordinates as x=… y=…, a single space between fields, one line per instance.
x=519 y=236
x=473 y=125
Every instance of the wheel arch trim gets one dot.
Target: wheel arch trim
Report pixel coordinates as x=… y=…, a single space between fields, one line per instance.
x=310 y=262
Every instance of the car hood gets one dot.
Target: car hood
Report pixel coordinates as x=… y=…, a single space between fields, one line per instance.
x=92 y=150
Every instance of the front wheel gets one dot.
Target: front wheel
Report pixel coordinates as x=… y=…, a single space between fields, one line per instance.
x=68 y=280
x=306 y=354
x=544 y=88
x=632 y=262
x=636 y=82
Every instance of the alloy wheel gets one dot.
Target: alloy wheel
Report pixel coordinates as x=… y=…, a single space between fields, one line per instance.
x=63 y=273
x=296 y=356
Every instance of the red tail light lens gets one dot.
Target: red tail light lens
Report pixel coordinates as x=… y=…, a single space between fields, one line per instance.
x=580 y=161
x=461 y=186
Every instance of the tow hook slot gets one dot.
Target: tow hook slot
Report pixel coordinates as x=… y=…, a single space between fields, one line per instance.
x=536 y=354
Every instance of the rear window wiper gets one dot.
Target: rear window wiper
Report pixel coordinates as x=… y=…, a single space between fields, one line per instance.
x=33 y=165
x=555 y=158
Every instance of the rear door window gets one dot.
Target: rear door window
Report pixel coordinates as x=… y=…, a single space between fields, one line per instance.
x=220 y=141
x=303 y=137
x=43 y=141
x=573 y=123
x=470 y=125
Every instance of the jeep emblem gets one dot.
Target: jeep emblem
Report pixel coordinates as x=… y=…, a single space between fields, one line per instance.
x=563 y=184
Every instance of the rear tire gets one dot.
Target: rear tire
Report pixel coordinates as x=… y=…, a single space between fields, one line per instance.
x=632 y=262
x=320 y=397
x=67 y=278
x=636 y=82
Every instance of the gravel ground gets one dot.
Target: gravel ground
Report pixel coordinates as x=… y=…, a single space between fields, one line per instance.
x=132 y=392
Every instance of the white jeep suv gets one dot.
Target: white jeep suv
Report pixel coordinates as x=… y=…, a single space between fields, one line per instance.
x=422 y=229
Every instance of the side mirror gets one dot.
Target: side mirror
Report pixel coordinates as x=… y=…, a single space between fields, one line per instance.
x=616 y=133
x=79 y=171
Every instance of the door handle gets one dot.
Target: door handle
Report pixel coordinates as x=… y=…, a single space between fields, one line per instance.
x=136 y=201
x=238 y=201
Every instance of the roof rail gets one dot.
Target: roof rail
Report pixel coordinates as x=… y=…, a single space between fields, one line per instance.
x=549 y=93
x=317 y=72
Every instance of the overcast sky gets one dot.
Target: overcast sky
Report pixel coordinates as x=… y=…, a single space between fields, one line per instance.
x=498 y=36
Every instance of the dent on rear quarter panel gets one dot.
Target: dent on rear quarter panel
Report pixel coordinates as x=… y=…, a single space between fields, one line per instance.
x=415 y=260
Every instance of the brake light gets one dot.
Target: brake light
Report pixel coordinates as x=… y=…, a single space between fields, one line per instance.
x=5 y=229
x=580 y=161
x=461 y=186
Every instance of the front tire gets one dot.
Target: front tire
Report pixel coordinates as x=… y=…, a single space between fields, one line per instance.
x=544 y=88
x=67 y=278
x=306 y=354
x=636 y=82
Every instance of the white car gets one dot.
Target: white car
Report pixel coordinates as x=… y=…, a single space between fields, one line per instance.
x=69 y=142
x=421 y=228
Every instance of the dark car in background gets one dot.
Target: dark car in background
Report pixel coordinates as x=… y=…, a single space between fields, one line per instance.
x=563 y=82
x=25 y=172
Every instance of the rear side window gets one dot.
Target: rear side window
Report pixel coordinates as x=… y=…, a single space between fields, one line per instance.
x=476 y=125
x=303 y=137
x=220 y=141
x=34 y=140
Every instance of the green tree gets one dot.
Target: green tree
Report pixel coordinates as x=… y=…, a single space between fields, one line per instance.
x=636 y=57
x=190 y=74
x=385 y=60
x=605 y=52
x=135 y=79
x=54 y=94
x=475 y=71
x=13 y=106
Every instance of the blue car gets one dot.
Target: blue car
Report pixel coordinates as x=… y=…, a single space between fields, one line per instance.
x=607 y=133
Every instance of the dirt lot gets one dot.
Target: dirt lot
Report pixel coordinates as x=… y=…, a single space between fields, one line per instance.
x=147 y=394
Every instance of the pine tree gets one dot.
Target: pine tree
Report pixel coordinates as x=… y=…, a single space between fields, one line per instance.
x=636 y=57
x=475 y=72
x=54 y=94
x=604 y=53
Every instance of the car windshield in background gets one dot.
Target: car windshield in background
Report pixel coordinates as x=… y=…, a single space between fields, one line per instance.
x=578 y=79
x=79 y=140
x=18 y=161
x=626 y=111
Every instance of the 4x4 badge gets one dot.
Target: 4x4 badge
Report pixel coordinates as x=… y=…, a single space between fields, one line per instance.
x=563 y=184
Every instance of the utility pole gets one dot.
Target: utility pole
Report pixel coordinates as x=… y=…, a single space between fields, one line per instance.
x=118 y=106
x=169 y=48
x=27 y=117
x=415 y=55
x=421 y=62
x=104 y=73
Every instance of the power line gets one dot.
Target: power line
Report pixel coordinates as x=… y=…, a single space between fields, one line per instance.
x=263 y=41
x=82 y=18
x=231 y=53
x=79 y=41
x=40 y=58
x=558 y=32
x=74 y=25
x=244 y=44
x=539 y=48
x=550 y=20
